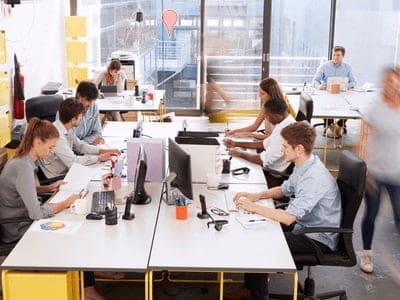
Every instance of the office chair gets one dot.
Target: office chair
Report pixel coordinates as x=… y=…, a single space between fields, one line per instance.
x=306 y=107
x=6 y=248
x=43 y=107
x=351 y=182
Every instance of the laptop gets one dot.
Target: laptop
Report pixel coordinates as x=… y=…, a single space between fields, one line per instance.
x=343 y=81
x=109 y=90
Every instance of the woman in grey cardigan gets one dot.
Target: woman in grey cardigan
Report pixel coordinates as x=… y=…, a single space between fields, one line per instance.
x=18 y=196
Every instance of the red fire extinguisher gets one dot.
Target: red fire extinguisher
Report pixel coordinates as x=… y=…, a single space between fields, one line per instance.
x=19 y=97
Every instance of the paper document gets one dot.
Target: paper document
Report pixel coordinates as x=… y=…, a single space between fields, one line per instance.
x=55 y=226
x=250 y=221
x=77 y=179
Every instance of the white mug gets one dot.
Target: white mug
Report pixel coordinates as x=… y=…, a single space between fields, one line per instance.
x=212 y=180
x=80 y=207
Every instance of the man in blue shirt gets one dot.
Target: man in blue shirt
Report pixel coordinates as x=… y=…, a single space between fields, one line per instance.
x=334 y=68
x=317 y=201
x=89 y=129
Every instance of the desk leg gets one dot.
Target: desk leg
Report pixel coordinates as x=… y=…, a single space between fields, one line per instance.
x=148 y=285
x=81 y=280
x=295 y=279
x=221 y=285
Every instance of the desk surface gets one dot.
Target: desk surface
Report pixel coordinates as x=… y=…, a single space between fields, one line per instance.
x=94 y=246
x=127 y=101
x=190 y=245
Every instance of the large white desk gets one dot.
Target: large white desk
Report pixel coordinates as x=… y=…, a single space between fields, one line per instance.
x=94 y=246
x=128 y=102
x=188 y=245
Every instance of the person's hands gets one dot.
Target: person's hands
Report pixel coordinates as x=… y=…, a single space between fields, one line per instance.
x=110 y=151
x=71 y=199
x=55 y=186
x=245 y=203
x=98 y=141
x=229 y=143
x=242 y=134
x=250 y=196
x=235 y=153
x=104 y=156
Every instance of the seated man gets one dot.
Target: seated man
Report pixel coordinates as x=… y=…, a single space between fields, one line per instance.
x=59 y=162
x=89 y=129
x=334 y=68
x=317 y=201
x=276 y=111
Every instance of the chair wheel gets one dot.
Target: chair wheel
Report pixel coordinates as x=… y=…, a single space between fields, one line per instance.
x=309 y=287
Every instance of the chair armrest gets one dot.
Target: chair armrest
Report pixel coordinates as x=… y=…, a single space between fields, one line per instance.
x=15 y=220
x=322 y=229
x=51 y=180
x=275 y=172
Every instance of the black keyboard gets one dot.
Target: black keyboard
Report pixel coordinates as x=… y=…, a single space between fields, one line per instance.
x=198 y=134
x=100 y=201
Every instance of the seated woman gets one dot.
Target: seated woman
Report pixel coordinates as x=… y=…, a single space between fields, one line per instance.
x=268 y=89
x=113 y=76
x=18 y=187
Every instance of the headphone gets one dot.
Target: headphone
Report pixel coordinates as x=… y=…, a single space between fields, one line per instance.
x=240 y=171
x=218 y=224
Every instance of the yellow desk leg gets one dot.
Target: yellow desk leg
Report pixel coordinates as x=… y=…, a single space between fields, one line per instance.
x=221 y=285
x=149 y=285
x=295 y=279
x=82 y=285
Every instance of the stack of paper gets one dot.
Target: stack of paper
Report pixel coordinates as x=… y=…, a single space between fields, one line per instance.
x=77 y=179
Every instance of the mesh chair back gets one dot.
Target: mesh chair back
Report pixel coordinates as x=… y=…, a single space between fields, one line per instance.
x=43 y=107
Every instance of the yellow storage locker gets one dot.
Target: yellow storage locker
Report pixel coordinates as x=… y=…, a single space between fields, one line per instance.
x=22 y=285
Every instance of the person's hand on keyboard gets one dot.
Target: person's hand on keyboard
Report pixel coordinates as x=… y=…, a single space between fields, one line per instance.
x=246 y=204
x=250 y=196
x=105 y=154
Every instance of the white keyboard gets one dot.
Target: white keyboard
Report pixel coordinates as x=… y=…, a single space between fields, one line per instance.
x=230 y=205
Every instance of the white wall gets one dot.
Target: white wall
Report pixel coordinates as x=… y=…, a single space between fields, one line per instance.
x=35 y=32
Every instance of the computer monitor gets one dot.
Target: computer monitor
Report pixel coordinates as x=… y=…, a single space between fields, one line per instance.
x=179 y=163
x=139 y=195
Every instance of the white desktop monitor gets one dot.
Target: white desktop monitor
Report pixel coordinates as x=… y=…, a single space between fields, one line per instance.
x=343 y=81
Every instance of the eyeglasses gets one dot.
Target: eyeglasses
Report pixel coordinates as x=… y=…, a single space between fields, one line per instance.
x=219 y=212
x=240 y=171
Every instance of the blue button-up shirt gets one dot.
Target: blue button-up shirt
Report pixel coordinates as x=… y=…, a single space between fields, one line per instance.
x=89 y=127
x=329 y=69
x=317 y=201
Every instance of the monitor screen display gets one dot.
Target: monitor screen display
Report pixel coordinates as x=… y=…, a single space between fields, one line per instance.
x=139 y=195
x=179 y=163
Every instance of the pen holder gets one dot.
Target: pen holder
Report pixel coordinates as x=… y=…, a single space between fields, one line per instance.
x=226 y=166
x=111 y=216
x=181 y=212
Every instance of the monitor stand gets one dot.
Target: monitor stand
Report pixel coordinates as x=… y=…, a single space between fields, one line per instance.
x=166 y=188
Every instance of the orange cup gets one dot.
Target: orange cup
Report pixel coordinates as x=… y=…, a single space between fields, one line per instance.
x=181 y=212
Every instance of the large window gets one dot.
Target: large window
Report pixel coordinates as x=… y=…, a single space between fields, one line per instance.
x=370 y=32
x=233 y=36
x=234 y=43
x=299 y=39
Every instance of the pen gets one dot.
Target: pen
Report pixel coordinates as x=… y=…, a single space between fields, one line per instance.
x=257 y=220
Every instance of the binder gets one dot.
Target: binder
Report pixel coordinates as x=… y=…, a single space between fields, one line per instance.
x=155 y=154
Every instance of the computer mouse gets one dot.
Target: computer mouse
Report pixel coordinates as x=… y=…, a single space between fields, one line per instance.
x=94 y=216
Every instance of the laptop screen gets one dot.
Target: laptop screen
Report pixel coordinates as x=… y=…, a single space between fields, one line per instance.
x=108 y=89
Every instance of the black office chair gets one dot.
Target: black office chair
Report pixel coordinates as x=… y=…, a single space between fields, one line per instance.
x=6 y=248
x=306 y=107
x=43 y=107
x=351 y=182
